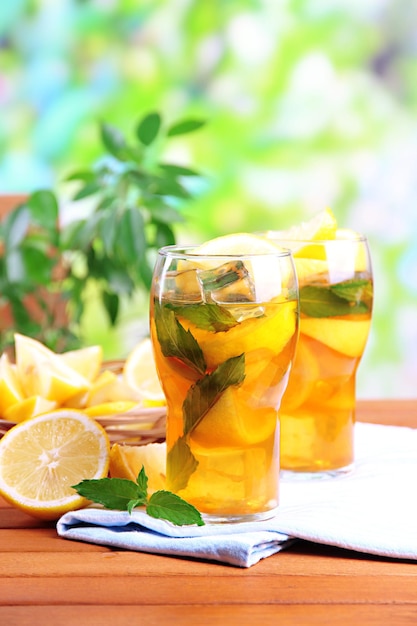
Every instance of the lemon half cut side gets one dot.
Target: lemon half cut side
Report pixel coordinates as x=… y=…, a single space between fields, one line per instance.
x=43 y=457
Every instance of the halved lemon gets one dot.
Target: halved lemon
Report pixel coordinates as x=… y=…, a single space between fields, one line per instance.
x=41 y=458
x=140 y=373
x=126 y=462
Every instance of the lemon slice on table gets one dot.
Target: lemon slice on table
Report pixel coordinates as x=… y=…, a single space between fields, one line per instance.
x=126 y=462
x=140 y=374
x=41 y=458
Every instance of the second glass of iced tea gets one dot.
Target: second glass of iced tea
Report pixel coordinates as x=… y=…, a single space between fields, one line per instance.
x=318 y=408
x=224 y=330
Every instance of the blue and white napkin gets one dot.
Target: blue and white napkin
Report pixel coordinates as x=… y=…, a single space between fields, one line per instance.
x=371 y=510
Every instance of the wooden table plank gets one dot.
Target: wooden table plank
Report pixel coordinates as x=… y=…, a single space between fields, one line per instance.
x=203 y=615
x=44 y=577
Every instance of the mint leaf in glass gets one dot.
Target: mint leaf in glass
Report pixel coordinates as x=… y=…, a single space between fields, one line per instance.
x=205 y=392
x=325 y=301
x=208 y=316
x=175 y=341
x=181 y=463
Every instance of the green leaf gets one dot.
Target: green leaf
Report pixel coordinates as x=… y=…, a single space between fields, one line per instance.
x=169 y=187
x=113 y=493
x=89 y=189
x=43 y=206
x=38 y=266
x=181 y=463
x=177 y=342
x=161 y=212
x=130 y=235
x=177 y=170
x=355 y=290
x=85 y=176
x=169 y=506
x=164 y=235
x=111 y=303
x=113 y=141
x=142 y=481
x=148 y=128
x=185 y=126
x=207 y=316
x=205 y=392
x=320 y=301
x=106 y=230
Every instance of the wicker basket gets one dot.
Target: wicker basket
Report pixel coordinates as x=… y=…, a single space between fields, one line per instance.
x=137 y=426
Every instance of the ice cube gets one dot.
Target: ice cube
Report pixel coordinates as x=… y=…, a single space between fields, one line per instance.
x=230 y=284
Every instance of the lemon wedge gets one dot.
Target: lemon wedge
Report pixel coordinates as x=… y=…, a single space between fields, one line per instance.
x=140 y=374
x=43 y=373
x=11 y=391
x=345 y=336
x=320 y=227
x=86 y=361
x=29 y=407
x=41 y=458
x=126 y=462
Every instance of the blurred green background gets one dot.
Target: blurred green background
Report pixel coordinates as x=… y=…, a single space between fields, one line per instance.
x=309 y=103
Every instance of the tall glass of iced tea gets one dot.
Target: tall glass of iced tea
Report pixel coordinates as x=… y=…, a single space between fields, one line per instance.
x=318 y=408
x=224 y=326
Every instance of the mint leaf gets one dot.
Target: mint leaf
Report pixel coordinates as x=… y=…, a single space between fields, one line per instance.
x=177 y=342
x=320 y=301
x=124 y=495
x=181 y=463
x=208 y=316
x=169 y=506
x=205 y=392
x=113 y=493
x=355 y=290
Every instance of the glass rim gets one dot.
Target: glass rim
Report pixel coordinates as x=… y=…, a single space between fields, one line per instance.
x=185 y=251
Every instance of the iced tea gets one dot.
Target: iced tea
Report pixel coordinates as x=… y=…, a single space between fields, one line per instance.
x=223 y=355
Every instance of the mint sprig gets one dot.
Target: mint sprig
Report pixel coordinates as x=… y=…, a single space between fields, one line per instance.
x=123 y=494
x=349 y=297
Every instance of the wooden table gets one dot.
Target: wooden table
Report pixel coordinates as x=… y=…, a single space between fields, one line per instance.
x=46 y=579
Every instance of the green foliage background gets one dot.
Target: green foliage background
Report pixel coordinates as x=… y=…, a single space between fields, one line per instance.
x=309 y=103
